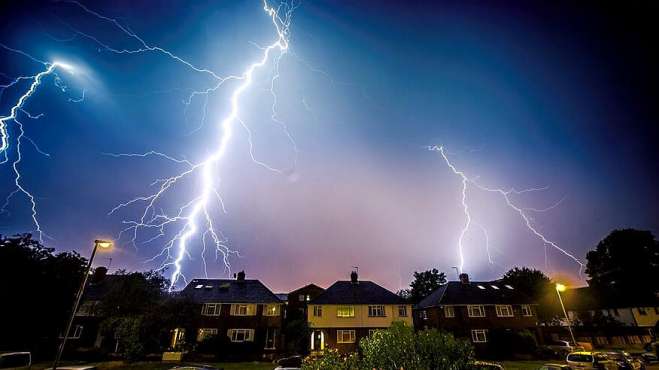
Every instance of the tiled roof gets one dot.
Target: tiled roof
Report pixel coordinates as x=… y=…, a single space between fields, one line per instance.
x=229 y=291
x=475 y=292
x=362 y=292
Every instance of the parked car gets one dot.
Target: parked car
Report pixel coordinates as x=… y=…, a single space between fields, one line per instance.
x=289 y=363
x=649 y=358
x=482 y=365
x=194 y=367
x=74 y=367
x=590 y=361
x=563 y=347
x=15 y=360
x=625 y=361
x=554 y=367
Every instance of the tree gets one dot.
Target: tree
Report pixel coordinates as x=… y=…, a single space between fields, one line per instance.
x=538 y=287
x=38 y=287
x=425 y=283
x=624 y=263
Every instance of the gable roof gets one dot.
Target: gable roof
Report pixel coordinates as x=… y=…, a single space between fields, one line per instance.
x=229 y=291
x=308 y=286
x=362 y=292
x=475 y=292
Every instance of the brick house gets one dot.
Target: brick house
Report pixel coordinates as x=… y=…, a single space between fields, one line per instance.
x=350 y=310
x=476 y=310
x=298 y=299
x=244 y=311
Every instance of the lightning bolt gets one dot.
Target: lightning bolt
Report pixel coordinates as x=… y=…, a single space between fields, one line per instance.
x=471 y=183
x=195 y=217
x=13 y=117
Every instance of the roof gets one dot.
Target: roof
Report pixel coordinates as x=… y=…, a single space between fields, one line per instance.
x=586 y=298
x=229 y=291
x=96 y=290
x=474 y=292
x=308 y=286
x=282 y=296
x=362 y=292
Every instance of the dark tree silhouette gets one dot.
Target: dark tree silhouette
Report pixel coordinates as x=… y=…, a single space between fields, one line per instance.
x=625 y=262
x=38 y=289
x=537 y=286
x=423 y=284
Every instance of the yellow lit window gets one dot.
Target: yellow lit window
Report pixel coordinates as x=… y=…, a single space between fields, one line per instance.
x=345 y=311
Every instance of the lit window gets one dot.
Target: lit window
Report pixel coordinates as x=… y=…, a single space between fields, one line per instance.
x=211 y=309
x=508 y=286
x=205 y=333
x=494 y=287
x=504 y=310
x=449 y=311
x=641 y=311
x=345 y=311
x=318 y=311
x=308 y=298
x=209 y=287
x=402 y=311
x=242 y=310
x=526 y=310
x=376 y=311
x=481 y=287
x=476 y=311
x=199 y=286
x=423 y=315
x=345 y=336
x=479 y=336
x=241 y=335
x=271 y=310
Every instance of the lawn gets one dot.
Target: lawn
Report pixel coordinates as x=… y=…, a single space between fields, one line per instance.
x=117 y=365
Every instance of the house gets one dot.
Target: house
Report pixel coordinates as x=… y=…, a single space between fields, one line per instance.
x=242 y=312
x=477 y=310
x=350 y=310
x=608 y=319
x=85 y=332
x=298 y=299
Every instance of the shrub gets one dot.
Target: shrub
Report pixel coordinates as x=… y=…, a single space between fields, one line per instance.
x=331 y=359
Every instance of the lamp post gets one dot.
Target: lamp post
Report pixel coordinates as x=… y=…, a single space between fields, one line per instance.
x=561 y=288
x=103 y=244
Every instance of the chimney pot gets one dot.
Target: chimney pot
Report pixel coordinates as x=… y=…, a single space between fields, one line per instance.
x=464 y=278
x=241 y=276
x=99 y=274
x=354 y=277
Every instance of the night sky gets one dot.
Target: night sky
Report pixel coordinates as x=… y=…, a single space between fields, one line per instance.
x=521 y=95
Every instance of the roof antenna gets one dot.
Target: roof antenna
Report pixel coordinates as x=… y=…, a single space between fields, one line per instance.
x=457 y=271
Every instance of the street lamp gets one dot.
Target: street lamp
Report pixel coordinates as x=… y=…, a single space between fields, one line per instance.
x=562 y=288
x=103 y=244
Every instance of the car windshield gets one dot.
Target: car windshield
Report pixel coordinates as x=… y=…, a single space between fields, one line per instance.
x=579 y=357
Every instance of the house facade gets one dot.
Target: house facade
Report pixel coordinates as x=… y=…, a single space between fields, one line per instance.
x=476 y=310
x=350 y=310
x=241 y=312
x=297 y=300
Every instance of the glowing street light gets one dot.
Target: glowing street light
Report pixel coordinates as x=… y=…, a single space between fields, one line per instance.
x=562 y=288
x=98 y=243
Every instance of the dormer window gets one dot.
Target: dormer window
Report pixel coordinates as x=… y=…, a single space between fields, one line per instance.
x=509 y=287
x=494 y=287
x=481 y=287
x=199 y=286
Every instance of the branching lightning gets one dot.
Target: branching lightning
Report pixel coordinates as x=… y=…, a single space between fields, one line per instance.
x=194 y=219
x=18 y=108
x=469 y=183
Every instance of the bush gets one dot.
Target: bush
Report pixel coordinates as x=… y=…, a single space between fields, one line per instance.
x=331 y=359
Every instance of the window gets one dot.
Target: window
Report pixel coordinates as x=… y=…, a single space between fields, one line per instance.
x=508 y=286
x=526 y=310
x=318 y=311
x=504 y=310
x=300 y=298
x=75 y=332
x=211 y=309
x=601 y=341
x=372 y=331
x=242 y=310
x=345 y=311
x=376 y=311
x=423 y=315
x=270 y=338
x=476 y=311
x=402 y=311
x=199 y=286
x=345 y=336
x=241 y=335
x=641 y=311
x=494 y=287
x=205 y=333
x=271 y=310
x=449 y=311
x=479 y=336
x=481 y=287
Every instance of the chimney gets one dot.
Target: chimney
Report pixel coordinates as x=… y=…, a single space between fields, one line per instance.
x=241 y=276
x=464 y=278
x=99 y=274
x=354 y=277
